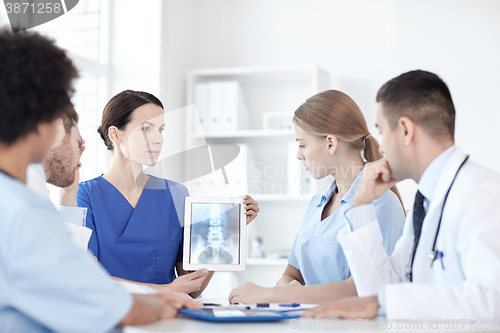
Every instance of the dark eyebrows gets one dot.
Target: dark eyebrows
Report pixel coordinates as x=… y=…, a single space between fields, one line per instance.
x=151 y=124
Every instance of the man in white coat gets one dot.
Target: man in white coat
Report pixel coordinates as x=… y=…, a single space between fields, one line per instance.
x=61 y=168
x=446 y=265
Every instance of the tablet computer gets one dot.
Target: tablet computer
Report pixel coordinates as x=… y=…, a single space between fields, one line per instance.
x=214 y=234
x=233 y=315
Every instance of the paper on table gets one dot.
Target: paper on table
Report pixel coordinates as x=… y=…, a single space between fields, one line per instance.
x=133 y=288
x=79 y=235
x=227 y=313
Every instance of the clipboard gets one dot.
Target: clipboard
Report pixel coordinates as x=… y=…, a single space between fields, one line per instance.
x=235 y=315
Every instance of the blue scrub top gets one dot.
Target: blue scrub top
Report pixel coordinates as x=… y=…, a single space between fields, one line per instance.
x=316 y=251
x=141 y=244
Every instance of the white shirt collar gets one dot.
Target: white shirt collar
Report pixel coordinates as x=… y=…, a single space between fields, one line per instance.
x=428 y=181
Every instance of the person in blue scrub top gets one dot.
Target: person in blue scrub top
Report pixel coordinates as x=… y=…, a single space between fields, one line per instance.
x=333 y=140
x=136 y=218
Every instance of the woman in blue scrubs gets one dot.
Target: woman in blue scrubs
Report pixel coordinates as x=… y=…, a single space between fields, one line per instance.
x=136 y=218
x=333 y=140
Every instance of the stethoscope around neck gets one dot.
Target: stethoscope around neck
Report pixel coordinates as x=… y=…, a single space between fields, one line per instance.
x=436 y=253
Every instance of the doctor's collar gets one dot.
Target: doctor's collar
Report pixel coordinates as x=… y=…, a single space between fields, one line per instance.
x=428 y=181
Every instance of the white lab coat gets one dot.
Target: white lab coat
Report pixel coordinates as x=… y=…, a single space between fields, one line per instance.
x=79 y=234
x=469 y=285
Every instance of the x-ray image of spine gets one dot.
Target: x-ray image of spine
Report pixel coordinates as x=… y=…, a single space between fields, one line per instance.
x=215 y=234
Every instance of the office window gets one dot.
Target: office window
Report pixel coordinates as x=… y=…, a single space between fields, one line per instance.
x=86 y=103
x=83 y=33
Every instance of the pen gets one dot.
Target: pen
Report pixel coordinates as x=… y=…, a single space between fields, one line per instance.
x=228 y=307
x=291 y=305
x=211 y=304
x=441 y=255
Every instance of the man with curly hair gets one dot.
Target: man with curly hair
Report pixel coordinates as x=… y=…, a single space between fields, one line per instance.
x=46 y=283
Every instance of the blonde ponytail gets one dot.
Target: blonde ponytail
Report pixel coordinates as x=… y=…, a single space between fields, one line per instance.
x=371 y=151
x=333 y=112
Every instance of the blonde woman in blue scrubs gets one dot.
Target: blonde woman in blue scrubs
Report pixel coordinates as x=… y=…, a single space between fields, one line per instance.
x=334 y=140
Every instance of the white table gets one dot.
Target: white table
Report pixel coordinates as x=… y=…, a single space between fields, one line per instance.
x=184 y=324
x=299 y=325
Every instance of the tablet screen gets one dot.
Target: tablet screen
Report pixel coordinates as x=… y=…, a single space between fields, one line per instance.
x=215 y=233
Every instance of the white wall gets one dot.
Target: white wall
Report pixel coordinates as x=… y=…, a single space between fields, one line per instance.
x=361 y=43
x=135 y=46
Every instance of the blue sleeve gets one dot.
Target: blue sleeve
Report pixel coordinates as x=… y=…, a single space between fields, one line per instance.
x=180 y=252
x=179 y=193
x=391 y=218
x=83 y=200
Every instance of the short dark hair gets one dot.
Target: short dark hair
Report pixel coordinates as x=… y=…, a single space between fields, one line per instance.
x=424 y=98
x=118 y=111
x=69 y=118
x=35 y=83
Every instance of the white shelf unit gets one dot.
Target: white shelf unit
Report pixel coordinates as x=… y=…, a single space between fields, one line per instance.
x=265 y=89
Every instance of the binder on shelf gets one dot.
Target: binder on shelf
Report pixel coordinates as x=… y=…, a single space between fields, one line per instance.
x=215 y=105
x=201 y=101
x=234 y=110
x=220 y=106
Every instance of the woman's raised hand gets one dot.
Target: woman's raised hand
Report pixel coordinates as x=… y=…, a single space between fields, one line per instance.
x=251 y=207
